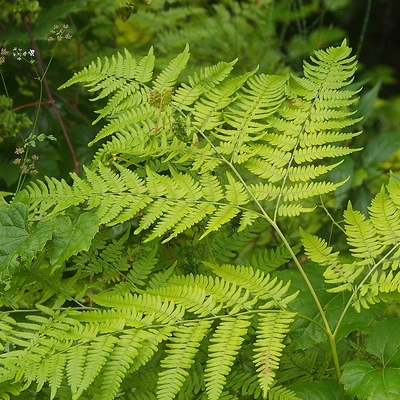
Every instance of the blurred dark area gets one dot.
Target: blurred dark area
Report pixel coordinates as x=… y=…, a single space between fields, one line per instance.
x=379 y=44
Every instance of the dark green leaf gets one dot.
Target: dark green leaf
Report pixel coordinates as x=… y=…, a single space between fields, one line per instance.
x=70 y=239
x=381 y=147
x=367 y=102
x=306 y=330
x=384 y=342
x=13 y=227
x=358 y=321
x=364 y=381
x=326 y=390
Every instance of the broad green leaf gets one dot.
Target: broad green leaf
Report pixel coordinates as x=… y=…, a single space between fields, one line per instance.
x=69 y=239
x=354 y=320
x=367 y=102
x=306 y=330
x=364 y=381
x=3 y=202
x=27 y=248
x=13 y=227
x=384 y=342
x=25 y=244
x=380 y=147
x=327 y=390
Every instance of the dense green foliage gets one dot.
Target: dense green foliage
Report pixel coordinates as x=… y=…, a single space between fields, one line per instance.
x=182 y=260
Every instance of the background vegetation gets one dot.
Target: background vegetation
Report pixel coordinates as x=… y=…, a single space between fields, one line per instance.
x=44 y=131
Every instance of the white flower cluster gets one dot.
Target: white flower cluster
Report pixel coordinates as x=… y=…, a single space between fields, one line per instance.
x=19 y=54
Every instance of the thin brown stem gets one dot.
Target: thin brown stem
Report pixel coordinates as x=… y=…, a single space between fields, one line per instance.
x=3 y=27
x=33 y=104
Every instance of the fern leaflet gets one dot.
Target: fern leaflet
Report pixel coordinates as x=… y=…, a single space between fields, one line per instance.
x=223 y=349
x=272 y=329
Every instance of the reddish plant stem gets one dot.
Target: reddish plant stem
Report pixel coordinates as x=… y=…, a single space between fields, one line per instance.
x=50 y=97
x=29 y=105
x=3 y=27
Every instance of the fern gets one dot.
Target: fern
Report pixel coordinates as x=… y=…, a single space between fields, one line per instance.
x=124 y=355
x=121 y=74
x=213 y=162
x=167 y=78
x=270 y=260
x=281 y=393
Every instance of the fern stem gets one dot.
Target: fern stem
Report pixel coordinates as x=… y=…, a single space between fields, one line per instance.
x=328 y=330
x=360 y=285
x=329 y=215
x=275 y=226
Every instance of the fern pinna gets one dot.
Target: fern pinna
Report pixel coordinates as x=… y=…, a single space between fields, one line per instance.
x=370 y=273
x=177 y=161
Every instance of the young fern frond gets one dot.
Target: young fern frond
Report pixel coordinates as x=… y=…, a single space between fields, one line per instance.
x=124 y=67
x=131 y=350
x=166 y=80
x=244 y=383
x=135 y=115
x=318 y=250
x=56 y=365
x=257 y=283
x=281 y=393
x=95 y=358
x=372 y=275
x=361 y=236
x=268 y=260
x=201 y=82
x=385 y=217
x=122 y=77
